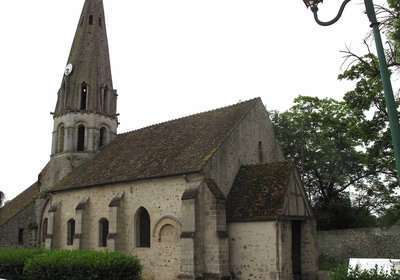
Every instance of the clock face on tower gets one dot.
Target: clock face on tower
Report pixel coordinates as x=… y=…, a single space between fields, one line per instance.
x=68 y=69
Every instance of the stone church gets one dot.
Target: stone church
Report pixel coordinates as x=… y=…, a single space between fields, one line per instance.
x=208 y=196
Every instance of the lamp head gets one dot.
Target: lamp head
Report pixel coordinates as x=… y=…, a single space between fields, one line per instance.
x=312 y=3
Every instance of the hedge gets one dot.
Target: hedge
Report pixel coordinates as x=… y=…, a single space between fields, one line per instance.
x=343 y=273
x=72 y=265
x=81 y=264
x=12 y=262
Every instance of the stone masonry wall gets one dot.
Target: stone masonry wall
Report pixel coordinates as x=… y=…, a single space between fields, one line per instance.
x=340 y=245
x=160 y=197
x=252 y=249
x=251 y=142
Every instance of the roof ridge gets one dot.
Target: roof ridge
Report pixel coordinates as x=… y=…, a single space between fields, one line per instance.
x=192 y=115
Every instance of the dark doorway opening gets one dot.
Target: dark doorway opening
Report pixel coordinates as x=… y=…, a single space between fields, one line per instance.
x=296 y=249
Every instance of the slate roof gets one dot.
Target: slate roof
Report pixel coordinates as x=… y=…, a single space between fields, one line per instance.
x=19 y=203
x=258 y=192
x=175 y=147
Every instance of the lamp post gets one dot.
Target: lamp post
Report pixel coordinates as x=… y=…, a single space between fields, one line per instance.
x=384 y=72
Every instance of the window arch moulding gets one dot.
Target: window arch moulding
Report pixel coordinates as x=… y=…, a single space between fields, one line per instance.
x=167 y=229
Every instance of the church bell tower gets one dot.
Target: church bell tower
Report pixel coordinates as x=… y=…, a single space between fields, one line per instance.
x=85 y=117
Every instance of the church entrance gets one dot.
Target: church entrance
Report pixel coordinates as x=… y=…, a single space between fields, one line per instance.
x=296 y=250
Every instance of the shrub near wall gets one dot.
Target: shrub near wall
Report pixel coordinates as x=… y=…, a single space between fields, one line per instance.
x=80 y=264
x=12 y=262
x=343 y=273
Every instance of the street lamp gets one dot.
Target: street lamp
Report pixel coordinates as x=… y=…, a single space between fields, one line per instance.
x=312 y=3
x=384 y=72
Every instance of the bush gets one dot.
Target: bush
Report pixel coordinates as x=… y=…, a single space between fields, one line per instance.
x=327 y=263
x=82 y=264
x=343 y=273
x=39 y=264
x=12 y=262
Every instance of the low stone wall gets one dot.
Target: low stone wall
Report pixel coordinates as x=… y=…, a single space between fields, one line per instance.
x=340 y=245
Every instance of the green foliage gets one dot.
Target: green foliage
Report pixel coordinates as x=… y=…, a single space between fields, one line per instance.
x=325 y=140
x=343 y=273
x=315 y=133
x=346 y=145
x=367 y=100
x=12 y=262
x=391 y=217
x=327 y=263
x=391 y=26
x=339 y=213
x=41 y=264
x=339 y=273
x=81 y=264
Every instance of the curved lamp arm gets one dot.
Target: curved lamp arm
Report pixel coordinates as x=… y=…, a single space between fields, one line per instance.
x=314 y=9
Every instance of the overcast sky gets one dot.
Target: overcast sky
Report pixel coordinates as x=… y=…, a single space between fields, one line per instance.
x=169 y=58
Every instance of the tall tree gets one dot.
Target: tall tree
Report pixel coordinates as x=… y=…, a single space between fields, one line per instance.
x=343 y=146
x=325 y=138
x=367 y=100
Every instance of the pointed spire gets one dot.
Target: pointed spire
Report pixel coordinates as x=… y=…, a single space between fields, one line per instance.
x=85 y=117
x=87 y=83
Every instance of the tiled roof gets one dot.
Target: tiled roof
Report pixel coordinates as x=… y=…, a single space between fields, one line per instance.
x=258 y=192
x=175 y=147
x=19 y=203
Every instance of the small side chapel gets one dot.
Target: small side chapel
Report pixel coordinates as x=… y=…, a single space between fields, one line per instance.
x=208 y=196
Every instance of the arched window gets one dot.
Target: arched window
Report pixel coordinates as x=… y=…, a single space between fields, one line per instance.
x=81 y=138
x=91 y=20
x=103 y=136
x=142 y=228
x=44 y=229
x=70 y=231
x=84 y=94
x=60 y=141
x=103 y=232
